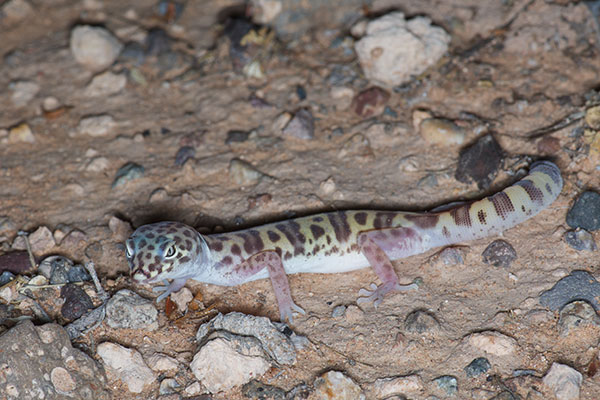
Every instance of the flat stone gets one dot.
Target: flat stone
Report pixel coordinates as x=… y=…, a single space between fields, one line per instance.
x=23 y=92
x=96 y=125
x=493 y=343
x=106 y=84
x=20 y=134
x=128 y=310
x=334 y=385
x=579 y=285
x=576 y=315
x=585 y=212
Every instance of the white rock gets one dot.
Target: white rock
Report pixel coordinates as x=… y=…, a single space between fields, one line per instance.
x=265 y=11
x=193 y=389
x=395 y=49
x=20 y=133
x=8 y=294
x=50 y=103
x=218 y=366
x=16 y=10
x=441 y=131
x=564 y=381
x=97 y=164
x=182 y=298
x=162 y=362
x=243 y=173
x=402 y=385
x=327 y=187
x=126 y=365
x=23 y=92
x=62 y=380
x=97 y=125
x=334 y=385
x=493 y=343
x=106 y=84
x=93 y=47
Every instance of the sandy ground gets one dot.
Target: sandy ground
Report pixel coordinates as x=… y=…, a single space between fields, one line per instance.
x=517 y=77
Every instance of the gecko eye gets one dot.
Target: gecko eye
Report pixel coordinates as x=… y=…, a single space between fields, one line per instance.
x=170 y=253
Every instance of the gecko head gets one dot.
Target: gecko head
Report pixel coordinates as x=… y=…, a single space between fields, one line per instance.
x=164 y=250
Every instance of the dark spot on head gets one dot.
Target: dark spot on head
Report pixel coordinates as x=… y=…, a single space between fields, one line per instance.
x=287 y=255
x=318 y=219
x=235 y=250
x=151 y=247
x=188 y=245
x=215 y=245
x=523 y=208
x=341 y=228
x=383 y=219
x=227 y=260
x=184 y=259
x=187 y=233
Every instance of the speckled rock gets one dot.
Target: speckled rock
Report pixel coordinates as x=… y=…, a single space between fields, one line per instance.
x=421 y=321
x=576 y=315
x=129 y=310
x=448 y=384
x=383 y=61
x=480 y=162
x=499 y=253
x=477 y=367
x=580 y=240
x=301 y=126
x=243 y=173
x=494 y=343
x=62 y=371
x=585 y=212
x=126 y=365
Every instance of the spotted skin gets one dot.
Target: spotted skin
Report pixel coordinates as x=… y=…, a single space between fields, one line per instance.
x=332 y=242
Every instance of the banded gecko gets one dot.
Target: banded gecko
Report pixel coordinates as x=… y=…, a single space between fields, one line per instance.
x=330 y=242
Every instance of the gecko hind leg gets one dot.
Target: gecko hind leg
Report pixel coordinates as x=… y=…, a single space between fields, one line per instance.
x=375 y=246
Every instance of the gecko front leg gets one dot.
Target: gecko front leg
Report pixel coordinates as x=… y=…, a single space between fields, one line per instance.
x=272 y=261
x=375 y=246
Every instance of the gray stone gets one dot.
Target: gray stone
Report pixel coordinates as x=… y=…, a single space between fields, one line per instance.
x=585 y=212
x=580 y=240
x=579 y=285
x=575 y=315
x=499 y=253
x=95 y=48
x=129 y=310
x=39 y=362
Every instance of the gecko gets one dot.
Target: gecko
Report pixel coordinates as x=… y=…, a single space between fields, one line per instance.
x=331 y=242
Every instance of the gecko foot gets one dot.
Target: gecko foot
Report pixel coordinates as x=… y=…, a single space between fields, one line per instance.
x=286 y=313
x=376 y=294
x=174 y=286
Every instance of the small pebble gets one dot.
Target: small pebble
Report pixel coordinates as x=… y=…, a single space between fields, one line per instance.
x=580 y=240
x=243 y=173
x=370 y=102
x=128 y=172
x=442 y=132
x=168 y=386
x=477 y=367
x=50 y=103
x=77 y=302
x=480 y=162
x=334 y=385
x=96 y=125
x=182 y=298
x=5 y=277
x=23 y=92
x=161 y=363
x=338 y=311
x=452 y=256
x=300 y=92
x=499 y=253
x=106 y=84
x=301 y=126
x=592 y=117
x=78 y=273
x=20 y=134
x=579 y=285
x=183 y=154
x=97 y=164
x=386 y=388
x=576 y=314
x=420 y=321
x=51 y=263
x=16 y=10
x=447 y=383
x=16 y=262
x=258 y=390
x=94 y=48
x=259 y=200
x=120 y=229
x=237 y=136
x=585 y=212
x=564 y=381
